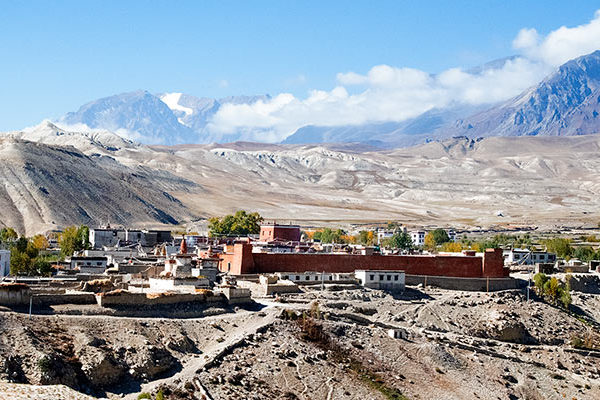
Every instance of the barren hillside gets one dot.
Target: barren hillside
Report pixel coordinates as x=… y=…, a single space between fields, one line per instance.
x=462 y=182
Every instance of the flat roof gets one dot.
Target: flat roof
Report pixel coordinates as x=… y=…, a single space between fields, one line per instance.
x=268 y=224
x=392 y=271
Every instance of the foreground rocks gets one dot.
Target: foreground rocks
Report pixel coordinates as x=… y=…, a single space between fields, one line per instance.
x=321 y=345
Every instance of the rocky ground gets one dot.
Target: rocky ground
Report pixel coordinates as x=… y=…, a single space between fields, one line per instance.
x=319 y=345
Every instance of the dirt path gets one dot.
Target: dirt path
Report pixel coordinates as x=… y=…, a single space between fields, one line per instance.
x=250 y=324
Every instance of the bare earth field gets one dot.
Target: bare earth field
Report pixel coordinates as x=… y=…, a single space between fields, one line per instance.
x=451 y=345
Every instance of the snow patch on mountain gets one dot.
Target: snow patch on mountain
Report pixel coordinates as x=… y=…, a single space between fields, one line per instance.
x=172 y=101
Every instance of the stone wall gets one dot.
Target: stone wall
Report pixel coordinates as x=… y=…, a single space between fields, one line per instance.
x=70 y=298
x=14 y=294
x=469 y=284
x=127 y=299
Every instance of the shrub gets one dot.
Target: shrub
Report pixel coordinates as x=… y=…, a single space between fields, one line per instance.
x=565 y=296
x=540 y=280
x=315 y=311
x=160 y=395
x=144 y=396
x=45 y=364
x=551 y=288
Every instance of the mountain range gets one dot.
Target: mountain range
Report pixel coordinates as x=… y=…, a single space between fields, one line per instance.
x=528 y=161
x=564 y=103
x=52 y=177
x=164 y=118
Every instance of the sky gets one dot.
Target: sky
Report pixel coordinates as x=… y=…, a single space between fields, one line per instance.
x=326 y=63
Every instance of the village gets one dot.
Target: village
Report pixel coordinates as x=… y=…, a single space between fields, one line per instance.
x=244 y=284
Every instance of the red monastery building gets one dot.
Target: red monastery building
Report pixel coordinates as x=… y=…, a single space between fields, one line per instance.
x=284 y=233
x=239 y=259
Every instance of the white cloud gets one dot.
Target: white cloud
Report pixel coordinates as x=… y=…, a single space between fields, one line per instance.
x=387 y=93
x=560 y=45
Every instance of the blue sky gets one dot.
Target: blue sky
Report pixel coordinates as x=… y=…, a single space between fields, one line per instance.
x=58 y=55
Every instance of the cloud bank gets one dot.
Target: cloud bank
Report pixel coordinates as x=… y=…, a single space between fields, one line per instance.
x=386 y=93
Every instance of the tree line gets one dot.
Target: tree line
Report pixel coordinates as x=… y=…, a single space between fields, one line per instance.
x=28 y=255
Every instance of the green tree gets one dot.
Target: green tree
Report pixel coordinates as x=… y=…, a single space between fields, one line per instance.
x=20 y=262
x=40 y=242
x=584 y=253
x=83 y=237
x=240 y=223
x=73 y=239
x=560 y=246
x=328 y=235
x=551 y=289
x=440 y=236
x=400 y=241
x=8 y=235
x=539 y=281
x=366 y=238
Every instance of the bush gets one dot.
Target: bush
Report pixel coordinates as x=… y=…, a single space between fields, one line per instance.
x=45 y=364
x=160 y=395
x=553 y=290
x=540 y=280
x=144 y=396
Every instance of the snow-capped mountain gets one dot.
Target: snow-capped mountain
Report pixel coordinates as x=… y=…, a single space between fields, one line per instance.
x=566 y=103
x=137 y=115
x=166 y=118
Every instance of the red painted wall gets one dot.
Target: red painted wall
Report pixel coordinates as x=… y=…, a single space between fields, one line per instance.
x=282 y=232
x=243 y=261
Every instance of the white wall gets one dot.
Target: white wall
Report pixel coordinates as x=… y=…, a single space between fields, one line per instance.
x=4 y=262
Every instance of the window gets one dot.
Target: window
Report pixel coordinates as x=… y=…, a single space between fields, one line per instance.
x=297 y=277
x=380 y=277
x=98 y=263
x=316 y=278
x=330 y=277
x=307 y=277
x=371 y=277
x=284 y=277
x=389 y=277
x=228 y=266
x=395 y=277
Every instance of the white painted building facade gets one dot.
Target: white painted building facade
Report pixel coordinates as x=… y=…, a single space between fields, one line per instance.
x=528 y=257
x=4 y=262
x=89 y=265
x=418 y=237
x=381 y=279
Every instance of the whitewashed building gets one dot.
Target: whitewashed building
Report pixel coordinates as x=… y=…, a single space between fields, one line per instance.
x=528 y=257
x=418 y=237
x=89 y=265
x=383 y=234
x=4 y=262
x=392 y=280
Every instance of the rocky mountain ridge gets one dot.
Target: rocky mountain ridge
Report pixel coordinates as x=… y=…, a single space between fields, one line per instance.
x=69 y=177
x=566 y=103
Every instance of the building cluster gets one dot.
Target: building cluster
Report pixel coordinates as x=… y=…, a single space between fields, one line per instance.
x=141 y=263
x=417 y=236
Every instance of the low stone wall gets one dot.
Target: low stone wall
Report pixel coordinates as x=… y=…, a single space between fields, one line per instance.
x=589 y=283
x=126 y=299
x=70 y=298
x=468 y=284
x=275 y=288
x=575 y=269
x=14 y=294
x=236 y=295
